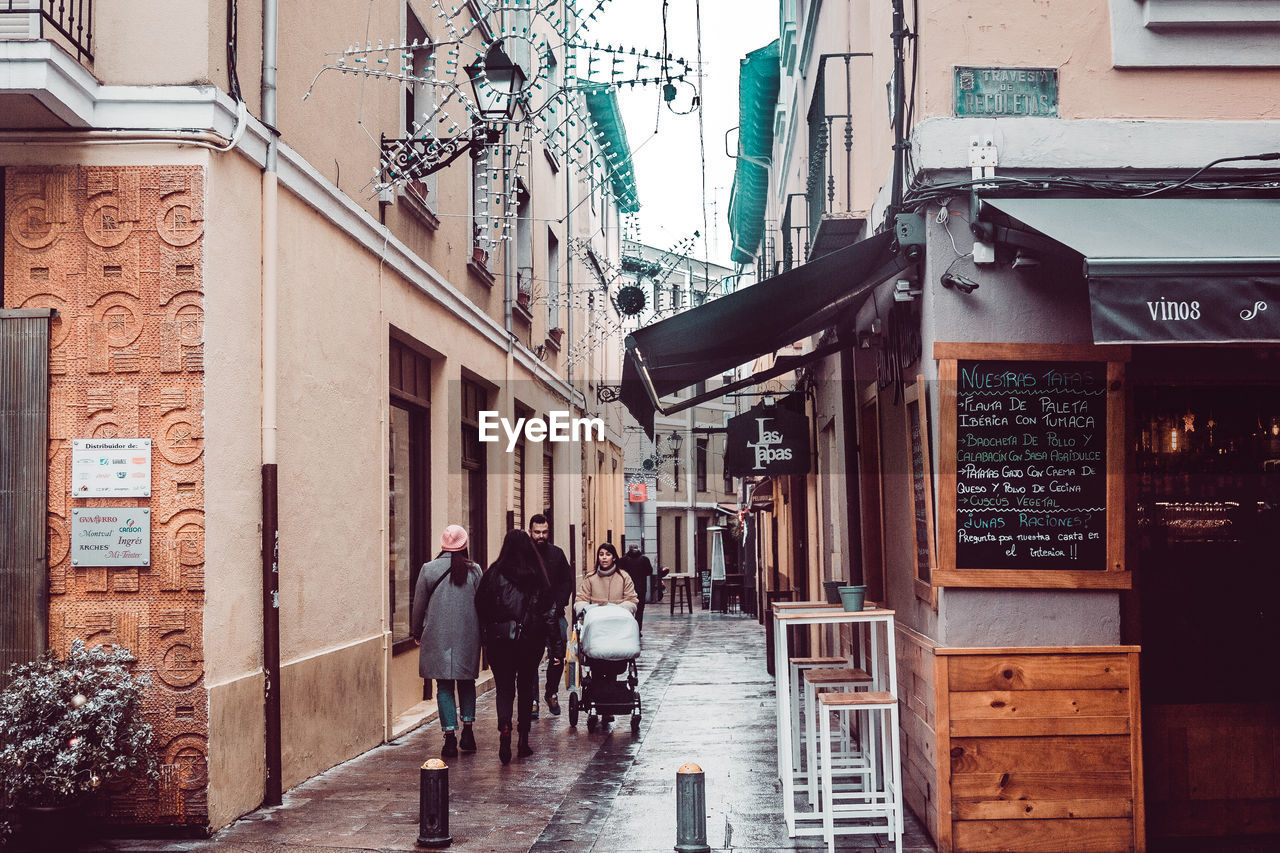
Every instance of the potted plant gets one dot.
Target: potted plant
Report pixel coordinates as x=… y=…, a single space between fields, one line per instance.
x=67 y=727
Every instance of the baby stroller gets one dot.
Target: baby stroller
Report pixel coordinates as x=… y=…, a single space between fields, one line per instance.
x=602 y=655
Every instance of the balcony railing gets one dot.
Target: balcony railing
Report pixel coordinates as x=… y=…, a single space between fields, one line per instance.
x=824 y=167
x=73 y=19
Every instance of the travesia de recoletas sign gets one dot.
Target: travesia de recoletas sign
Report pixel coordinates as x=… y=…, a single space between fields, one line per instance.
x=767 y=440
x=994 y=91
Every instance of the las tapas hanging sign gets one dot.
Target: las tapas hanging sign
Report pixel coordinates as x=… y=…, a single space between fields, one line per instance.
x=767 y=440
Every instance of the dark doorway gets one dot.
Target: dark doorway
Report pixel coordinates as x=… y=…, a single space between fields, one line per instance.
x=1206 y=525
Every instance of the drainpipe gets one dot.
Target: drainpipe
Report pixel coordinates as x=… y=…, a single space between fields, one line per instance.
x=567 y=250
x=272 y=788
x=899 y=107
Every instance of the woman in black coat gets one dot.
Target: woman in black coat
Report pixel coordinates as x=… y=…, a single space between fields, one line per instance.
x=517 y=621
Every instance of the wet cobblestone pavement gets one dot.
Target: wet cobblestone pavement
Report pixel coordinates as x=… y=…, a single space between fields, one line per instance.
x=706 y=699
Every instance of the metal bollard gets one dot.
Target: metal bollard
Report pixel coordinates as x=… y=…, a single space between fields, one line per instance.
x=433 y=805
x=691 y=810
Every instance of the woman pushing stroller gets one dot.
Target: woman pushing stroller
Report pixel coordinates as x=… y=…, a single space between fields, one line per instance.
x=605 y=584
x=608 y=647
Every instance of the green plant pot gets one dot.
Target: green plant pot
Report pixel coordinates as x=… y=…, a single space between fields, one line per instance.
x=853 y=597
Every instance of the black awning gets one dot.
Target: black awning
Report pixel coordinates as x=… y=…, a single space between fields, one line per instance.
x=721 y=335
x=1169 y=270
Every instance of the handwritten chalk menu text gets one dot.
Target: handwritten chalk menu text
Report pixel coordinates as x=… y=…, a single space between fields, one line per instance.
x=1031 y=465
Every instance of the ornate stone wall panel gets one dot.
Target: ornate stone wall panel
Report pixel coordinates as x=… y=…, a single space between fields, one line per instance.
x=118 y=252
x=59 y=550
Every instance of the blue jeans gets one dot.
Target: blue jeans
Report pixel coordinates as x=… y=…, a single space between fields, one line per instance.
x=448 y=706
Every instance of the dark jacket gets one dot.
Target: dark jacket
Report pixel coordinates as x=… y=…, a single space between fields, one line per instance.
x=559 y=573
x=505 y=599
x=638 y=566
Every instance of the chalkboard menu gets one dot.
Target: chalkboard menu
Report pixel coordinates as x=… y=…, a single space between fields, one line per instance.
x=1031 y=458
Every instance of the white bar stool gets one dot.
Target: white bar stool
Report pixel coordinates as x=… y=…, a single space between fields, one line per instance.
x=877 y=807
x=797 y=666
x=815 y=680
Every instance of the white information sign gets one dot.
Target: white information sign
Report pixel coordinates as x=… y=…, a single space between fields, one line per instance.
x=111 y=467
x=111 y=536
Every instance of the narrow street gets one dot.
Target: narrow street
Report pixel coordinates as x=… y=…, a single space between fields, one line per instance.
x=707 y=699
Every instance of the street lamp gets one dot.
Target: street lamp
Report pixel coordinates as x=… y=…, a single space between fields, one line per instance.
x=497 y=82
x=673 y=443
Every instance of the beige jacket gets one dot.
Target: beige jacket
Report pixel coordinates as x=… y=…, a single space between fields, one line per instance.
x=615 y=588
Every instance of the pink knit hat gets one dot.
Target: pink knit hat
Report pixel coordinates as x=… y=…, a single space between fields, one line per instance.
x=454 y=538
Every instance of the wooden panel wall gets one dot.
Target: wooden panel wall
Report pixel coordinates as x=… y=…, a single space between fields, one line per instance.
x=916 y=713
x=1040 y=750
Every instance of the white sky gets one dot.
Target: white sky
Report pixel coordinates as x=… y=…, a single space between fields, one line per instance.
x=668 y=163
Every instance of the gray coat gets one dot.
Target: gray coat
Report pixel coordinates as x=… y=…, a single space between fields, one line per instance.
x=447 y=626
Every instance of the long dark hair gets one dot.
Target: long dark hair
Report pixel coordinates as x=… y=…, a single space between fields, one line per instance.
x=607 y=546
x=459 y=565
x=519 y=560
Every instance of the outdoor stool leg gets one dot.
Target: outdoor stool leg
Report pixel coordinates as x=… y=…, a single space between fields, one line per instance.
x=828 y=801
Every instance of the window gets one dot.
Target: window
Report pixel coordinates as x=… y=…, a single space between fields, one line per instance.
x=553 y=280
x=700 y=464
x=548 y=486
x=408 y=478
x=724 y=469
x=482 y=219
x=524 y=249
x=517 y=474
x=419 y=109
x=517 y=486
x=474 y=466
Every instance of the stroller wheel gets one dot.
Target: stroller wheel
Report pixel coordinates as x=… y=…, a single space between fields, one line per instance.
x=592 y=721
x=573 y=710
x=635 y=724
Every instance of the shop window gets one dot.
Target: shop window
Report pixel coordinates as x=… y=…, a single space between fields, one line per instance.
x=474 y=504
x=867 y=446
x=408 y=478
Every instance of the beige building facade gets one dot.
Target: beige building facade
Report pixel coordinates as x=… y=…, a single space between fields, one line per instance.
x=314 y=351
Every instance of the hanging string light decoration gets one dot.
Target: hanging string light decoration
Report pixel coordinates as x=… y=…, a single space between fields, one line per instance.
x=628 y=298
x=547 y=99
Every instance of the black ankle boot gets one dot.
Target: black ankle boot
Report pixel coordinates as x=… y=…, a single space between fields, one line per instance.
x=504 y=744
x=523 y=749
x=450 y=748
x=468 y=741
